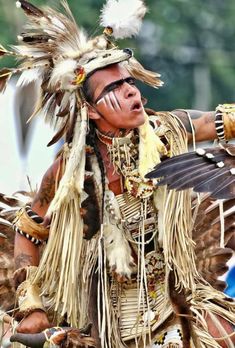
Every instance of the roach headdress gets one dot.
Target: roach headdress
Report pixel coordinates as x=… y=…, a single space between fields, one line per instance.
x=56 y=51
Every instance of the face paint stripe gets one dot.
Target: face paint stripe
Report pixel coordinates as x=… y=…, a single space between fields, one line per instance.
x=119 y=106
x=114 y=101
x=108 y=102
x=100 y=101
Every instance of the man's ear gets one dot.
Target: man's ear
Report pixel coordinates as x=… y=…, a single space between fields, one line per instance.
x=93 y=114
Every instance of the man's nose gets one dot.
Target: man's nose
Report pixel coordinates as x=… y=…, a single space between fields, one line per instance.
x=130 y=90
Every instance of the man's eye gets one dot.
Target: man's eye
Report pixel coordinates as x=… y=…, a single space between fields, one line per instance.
x=131 y=81
x=113 y=87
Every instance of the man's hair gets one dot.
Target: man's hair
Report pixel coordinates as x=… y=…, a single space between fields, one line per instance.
x=88 y=91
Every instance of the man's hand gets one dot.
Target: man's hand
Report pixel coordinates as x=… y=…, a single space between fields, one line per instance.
x=34 y=323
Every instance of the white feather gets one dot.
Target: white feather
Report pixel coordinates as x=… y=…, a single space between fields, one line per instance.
x=29 y=76
x=57 y=23
x=63 y=74
x=29 y=51
x=124 y=17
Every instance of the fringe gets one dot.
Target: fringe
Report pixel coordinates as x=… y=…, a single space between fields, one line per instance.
x=208 y=300
x=68 y=260
x=177 y=219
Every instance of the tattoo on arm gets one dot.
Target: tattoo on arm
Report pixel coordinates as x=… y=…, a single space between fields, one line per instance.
x=209 y=117
x=23 y=260
x=47 y=190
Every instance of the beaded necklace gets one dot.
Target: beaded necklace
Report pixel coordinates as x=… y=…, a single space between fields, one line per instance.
x=123 y=152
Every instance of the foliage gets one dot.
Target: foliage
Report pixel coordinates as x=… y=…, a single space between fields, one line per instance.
x=190 y=42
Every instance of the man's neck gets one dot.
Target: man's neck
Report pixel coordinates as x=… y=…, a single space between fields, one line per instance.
x=107 y=137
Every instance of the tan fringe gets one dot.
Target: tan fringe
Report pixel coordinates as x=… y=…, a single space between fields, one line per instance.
x=108 y=319
x=207 y=300
x=68 y=260
x=177 y=240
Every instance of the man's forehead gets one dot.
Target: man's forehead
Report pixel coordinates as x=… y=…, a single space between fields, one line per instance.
x=103 y=78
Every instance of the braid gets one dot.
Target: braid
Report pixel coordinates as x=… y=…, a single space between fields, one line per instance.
x=91 y=140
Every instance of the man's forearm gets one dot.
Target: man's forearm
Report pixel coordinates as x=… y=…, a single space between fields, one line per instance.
x=201 y=123
x=25 y=253
x=205 y=126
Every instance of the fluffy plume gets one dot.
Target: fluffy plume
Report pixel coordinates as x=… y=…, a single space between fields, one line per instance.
x=124 y=18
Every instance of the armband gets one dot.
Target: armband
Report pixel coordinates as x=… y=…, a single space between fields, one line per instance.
x=225 y=122
x=28 y=295
x=29 y=224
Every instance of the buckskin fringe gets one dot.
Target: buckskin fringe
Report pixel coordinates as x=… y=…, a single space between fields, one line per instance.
x=64 y=261
x=177 y=221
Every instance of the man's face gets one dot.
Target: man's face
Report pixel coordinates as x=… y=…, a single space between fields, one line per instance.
x=116 y=100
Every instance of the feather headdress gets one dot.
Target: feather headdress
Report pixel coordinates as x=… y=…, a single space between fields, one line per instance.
x=56 y=51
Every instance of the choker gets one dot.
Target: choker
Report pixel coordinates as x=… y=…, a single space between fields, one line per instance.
x=107 y=140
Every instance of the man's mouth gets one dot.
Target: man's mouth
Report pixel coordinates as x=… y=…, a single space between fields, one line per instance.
x=136 y=106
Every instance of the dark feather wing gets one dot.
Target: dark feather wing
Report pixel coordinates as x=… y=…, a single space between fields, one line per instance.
x=210 y=170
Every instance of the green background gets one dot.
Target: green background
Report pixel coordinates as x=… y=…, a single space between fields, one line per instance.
x=190 y=42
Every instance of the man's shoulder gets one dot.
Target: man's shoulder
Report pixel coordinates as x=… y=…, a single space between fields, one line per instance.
x=162 y=119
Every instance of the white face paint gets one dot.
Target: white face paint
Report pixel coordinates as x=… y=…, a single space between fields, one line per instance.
x=114 y=101
x=101 y=101
x=110 y=100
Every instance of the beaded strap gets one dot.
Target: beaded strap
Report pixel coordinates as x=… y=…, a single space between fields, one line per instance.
x=27 y=236
x=219 y=124
x=30 y=225
x=225 y=122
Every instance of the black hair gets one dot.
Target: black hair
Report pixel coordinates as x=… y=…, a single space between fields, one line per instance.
x=87 y=91
x=92 y=138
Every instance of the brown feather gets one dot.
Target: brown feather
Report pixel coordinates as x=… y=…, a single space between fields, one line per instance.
x=30 y=9
x=8 y=208
x=59 y=97
x=182 y=310
x=211 y=259
x=59 y=134
x=5 y=75
x=64 y=110
x=75 y=339
x=7 y=290
x=3 y=51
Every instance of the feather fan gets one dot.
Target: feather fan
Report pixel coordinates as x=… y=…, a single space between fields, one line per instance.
x=210 y=170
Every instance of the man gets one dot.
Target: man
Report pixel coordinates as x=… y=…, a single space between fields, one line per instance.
x=110 y=121
x=128 y=263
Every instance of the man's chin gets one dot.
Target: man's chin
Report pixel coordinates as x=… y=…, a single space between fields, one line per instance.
x=140 y=119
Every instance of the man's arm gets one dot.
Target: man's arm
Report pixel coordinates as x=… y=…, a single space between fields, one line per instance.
x=203 y=123
x=27 y=254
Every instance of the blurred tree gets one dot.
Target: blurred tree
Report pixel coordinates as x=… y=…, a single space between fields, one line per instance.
x=191 y=43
